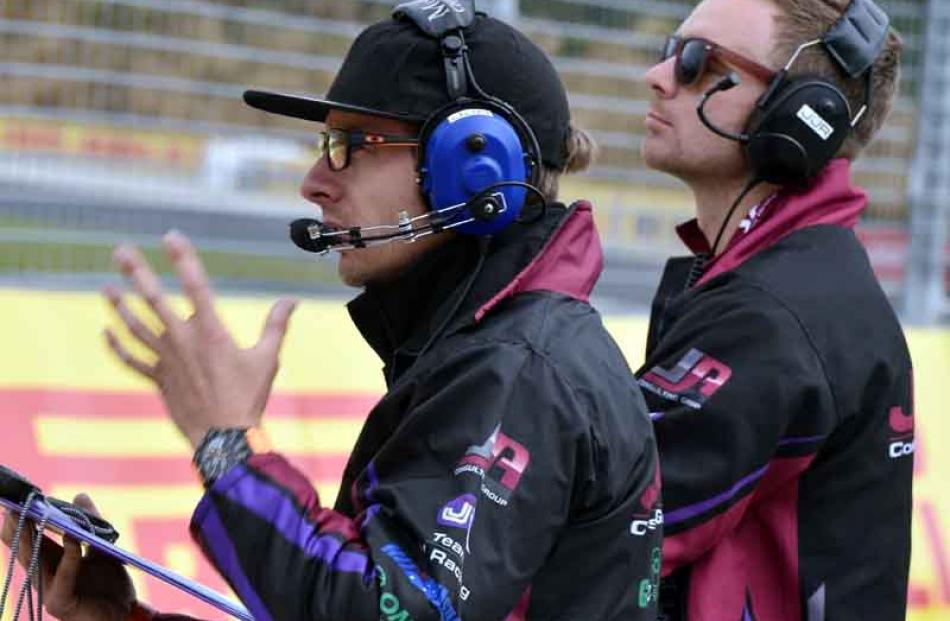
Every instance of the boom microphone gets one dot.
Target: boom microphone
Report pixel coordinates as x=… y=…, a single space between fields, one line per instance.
x=314 y=236
x=300 y=234
x=729 y=82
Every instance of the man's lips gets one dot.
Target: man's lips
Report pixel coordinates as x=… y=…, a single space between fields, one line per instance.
x=332 y=224
x=658 y=119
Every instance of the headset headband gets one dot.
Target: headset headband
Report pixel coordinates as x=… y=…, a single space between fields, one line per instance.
x=857 y=38
x=444 y=20
x=437 y=17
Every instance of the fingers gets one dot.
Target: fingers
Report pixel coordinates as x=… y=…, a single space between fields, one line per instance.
x=60 y=590
x=7 y=533
x=142 y=368
x=191 y=273
x=9 y=527
x=26 y=537
x=138 y=329
x=84 y=502
x=136 y=269
x=275 y=327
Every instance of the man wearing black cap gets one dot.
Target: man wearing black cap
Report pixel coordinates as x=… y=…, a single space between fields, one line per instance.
x=510 y=470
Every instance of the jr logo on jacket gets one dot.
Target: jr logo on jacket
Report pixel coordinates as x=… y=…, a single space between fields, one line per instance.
x=499 y=461
x=691 y=381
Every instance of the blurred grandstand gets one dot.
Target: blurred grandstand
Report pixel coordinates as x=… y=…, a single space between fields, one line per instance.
x=120 y=119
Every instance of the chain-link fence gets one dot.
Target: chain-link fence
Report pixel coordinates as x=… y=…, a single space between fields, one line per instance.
x=926 y=292
x=122 y=118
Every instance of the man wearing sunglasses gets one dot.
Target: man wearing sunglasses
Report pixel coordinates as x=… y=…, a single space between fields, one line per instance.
x=510 y=471
x=776 y=371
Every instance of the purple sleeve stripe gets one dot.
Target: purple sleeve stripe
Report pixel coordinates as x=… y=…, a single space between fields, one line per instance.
x=373 y=507
x=225 y=558
x=275 y=467
x=690 y=511
x=792 y=440
x=274 y=507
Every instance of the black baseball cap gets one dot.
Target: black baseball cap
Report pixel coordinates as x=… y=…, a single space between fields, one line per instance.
x=395 y=70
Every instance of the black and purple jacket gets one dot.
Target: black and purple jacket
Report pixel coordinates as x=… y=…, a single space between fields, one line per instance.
x=782 y=397
x=508 y=473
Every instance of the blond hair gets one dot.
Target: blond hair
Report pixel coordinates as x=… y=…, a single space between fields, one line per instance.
x=580 y=152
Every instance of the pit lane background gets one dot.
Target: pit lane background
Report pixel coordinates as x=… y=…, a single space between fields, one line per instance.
x=75 y=420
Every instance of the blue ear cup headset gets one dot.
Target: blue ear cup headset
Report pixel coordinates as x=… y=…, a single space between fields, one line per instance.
x=478 y=158
x=799 y=123
x=466 y=148
x=470 y=154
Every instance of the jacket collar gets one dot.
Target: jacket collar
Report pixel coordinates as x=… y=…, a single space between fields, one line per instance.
x=388 y=314
x=452 y=286
x=829 y=199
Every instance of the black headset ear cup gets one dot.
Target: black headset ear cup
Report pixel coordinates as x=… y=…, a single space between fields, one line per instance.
x=796 y=131
x=777 y=158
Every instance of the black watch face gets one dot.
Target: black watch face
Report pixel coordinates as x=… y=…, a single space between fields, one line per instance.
x=222 y=450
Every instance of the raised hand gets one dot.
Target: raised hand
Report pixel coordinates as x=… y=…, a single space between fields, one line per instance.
x=204 y=378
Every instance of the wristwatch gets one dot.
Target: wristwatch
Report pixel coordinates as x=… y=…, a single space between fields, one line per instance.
x=222 y=449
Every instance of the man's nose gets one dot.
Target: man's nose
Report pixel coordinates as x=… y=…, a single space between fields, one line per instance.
x=661 y=78
x=320 y=183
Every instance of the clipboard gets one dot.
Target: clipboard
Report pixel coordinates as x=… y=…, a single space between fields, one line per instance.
x=60 y=522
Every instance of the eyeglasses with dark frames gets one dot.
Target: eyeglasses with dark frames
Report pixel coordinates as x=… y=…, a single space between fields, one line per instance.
x=337 y=145
x=694 y=53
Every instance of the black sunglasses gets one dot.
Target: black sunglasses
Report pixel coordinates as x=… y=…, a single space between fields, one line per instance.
x=337 y=144
x=694 y=53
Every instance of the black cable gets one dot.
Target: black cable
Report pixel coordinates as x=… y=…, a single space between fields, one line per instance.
x=526 y=133
x=722 y=229
x=15 y=549
x=469 y=72
x=699 y=263
x=727 y=83
x=483 y=244
x=516 y=184
x=39 y=596
x=30 y=613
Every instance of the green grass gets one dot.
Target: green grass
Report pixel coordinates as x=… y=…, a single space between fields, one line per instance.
x=78 y=258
